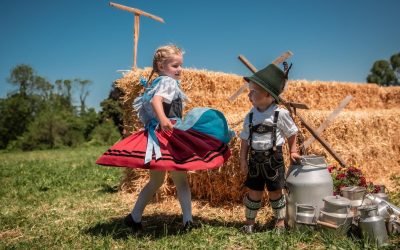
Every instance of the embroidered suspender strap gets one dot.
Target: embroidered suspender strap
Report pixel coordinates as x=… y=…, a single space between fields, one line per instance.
x=276 y=115
x=250 y=128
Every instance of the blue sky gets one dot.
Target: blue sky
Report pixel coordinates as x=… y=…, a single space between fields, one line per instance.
x=331 y=40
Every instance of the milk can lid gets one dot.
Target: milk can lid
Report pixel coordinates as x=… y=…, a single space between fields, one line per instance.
x=367 y=207
x=353 y=189
x=337 y=200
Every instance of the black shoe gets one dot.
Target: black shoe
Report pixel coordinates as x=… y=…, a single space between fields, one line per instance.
x=136 y=226
x=188 y=226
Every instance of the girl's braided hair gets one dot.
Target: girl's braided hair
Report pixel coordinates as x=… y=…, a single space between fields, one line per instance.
x=162 y=54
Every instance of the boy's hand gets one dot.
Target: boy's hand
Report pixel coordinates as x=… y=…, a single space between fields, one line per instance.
x=166 y=124
x=244 y=167
x=295 y=157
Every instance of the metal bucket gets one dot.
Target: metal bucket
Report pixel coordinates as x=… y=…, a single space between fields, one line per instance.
x=335 y=222
x=355 y=194
x=336 y=215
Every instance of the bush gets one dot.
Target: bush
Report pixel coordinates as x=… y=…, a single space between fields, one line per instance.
x=104 y=134
x=52 y=129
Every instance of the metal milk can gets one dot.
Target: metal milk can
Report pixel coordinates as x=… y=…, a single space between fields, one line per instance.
x=372 y=225
x=336 y=214
x=382 y=192
x=355 y=194
x=307 y=184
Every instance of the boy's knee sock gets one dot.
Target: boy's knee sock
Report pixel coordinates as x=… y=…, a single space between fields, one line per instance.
x=183 y=193
x=279 y=207
x=251 y=208
x=155 y=182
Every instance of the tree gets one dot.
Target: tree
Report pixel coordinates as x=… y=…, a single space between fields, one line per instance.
x=83 y=93
x=16 y=112
x=386 y=73
x=395 y=62
x=23 y=76
x=112 y=108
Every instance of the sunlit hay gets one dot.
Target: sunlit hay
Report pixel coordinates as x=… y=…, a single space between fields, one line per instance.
x=365 y=134
x=327 y=95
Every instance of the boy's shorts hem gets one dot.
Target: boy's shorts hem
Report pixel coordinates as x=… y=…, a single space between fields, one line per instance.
x=258 y=183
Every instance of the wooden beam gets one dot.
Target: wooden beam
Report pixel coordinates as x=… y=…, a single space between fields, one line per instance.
x=328 y=120
x=136 y=25
x=136 y=11
x=324 y=143
x=247 y=63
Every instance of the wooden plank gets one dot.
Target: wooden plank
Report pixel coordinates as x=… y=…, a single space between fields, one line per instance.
x=329 y=120
x=247 y=64
x=136 y=25
x=324 y=143
x=238 y=92
x=282 y=57
x=298 y=105
x=136 y=11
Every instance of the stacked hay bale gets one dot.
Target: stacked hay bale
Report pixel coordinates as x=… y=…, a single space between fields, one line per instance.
x=365 y=134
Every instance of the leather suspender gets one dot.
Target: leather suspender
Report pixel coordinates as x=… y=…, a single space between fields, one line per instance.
x=274 y=126
x=276 y=114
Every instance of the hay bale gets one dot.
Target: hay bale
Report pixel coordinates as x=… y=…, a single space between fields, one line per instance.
x=365 y=134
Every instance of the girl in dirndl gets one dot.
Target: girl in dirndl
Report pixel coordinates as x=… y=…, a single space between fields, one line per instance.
x=168 y=143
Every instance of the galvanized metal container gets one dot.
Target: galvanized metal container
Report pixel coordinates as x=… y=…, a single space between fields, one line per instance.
x=355 y=194
x=336 y=214
x=307 y=184
x=372 y=225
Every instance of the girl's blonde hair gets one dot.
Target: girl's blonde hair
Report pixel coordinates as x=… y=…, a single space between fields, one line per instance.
x=162 y=54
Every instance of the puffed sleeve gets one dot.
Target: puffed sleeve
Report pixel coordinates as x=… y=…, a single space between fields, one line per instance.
x=244 y=134
x=166 y=88
x=287 y=124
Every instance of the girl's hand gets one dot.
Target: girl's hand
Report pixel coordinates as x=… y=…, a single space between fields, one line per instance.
x=166 y=124
x=295 y=157
x=244 y=167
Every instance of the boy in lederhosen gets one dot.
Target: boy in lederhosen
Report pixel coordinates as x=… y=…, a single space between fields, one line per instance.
x=264 y=131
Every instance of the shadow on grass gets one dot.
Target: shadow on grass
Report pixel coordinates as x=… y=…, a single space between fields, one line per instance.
x=106 y=188
x=155 y=226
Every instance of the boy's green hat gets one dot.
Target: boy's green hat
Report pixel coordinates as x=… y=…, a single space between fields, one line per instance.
x=272 y=79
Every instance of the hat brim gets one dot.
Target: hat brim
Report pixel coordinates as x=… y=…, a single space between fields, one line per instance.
x=262 y=84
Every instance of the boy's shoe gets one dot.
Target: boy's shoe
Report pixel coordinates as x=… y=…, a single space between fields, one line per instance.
x=188 y=226
x=280 y=227
x=248 y=229
x=136 y=226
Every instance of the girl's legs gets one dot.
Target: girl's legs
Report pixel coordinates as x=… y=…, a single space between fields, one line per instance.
x=184 y=195
x=155 y=182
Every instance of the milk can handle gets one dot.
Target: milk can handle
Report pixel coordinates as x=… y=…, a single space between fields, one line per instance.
x=305 y=206
x=327 y=224
x=345 y=219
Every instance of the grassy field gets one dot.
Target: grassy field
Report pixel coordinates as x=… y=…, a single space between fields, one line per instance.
x=61 y=199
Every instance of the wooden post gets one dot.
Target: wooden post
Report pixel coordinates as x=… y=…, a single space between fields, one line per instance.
x=136 y=25
x=329 y=120
x=289 y=106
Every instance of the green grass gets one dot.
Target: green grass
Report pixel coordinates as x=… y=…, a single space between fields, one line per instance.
x=61 y=199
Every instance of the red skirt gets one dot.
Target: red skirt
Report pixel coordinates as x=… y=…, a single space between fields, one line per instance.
x=181 y=150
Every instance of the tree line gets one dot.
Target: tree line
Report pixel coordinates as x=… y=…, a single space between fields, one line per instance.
x=39 y=114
